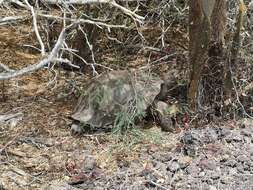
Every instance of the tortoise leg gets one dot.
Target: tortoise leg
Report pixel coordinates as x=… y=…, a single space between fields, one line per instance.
x=76 y=128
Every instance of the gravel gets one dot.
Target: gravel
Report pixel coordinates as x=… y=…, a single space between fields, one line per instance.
x=211 y=158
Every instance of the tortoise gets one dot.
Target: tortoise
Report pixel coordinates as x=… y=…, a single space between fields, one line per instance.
x=117 y=98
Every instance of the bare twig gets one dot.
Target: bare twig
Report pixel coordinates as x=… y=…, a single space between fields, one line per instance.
x=35 y=26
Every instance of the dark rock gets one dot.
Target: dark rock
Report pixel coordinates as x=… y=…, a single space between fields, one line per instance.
x=189 y=150
x=188 y=138
x=231 y=163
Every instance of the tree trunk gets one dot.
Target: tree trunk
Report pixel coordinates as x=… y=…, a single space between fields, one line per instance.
x=206 y=33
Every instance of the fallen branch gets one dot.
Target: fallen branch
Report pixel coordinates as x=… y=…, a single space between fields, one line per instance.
x=8 y=144
x=10 y=19
x=6 y=117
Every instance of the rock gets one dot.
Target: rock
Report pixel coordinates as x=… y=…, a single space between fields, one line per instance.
x=89 y=163
x=193 y=170
x=189 y=150
x=233 y=137
x=224 y=158
x=224 y=132
x=243 y=158
x=184 y=161
x=207 y=164
x=202 y=174
x=174 y=166
x=209 y=136
x=164 y=157
x=246 y=132
x=211 y=187
x=214 y=175
x=232 y=171
x=231 y=163
x=188 y=138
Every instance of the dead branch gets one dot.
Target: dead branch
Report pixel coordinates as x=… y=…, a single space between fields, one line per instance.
x=11 y=19
x=82 y=2
x=83 y=21
x=35 y=26
x=7 y=117
x=111 y=2
x=50 y=58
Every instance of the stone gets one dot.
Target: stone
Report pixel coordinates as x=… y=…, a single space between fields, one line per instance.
x=224 y=132
x=89 y=163
x=233 y=137
x=224 y=158
x=209 y=136
x=246 y=132
x=188 y=138
x=174 y=166
x=207 y=164
x=231 y=163
x=232 y=171
x=190 y=150
x=193 y=170
x=243 y=158
x=211 y=187
x=184 y=161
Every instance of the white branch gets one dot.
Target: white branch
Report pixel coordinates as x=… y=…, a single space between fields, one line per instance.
x=5 y=68
x=51 y=57
x=83 y=21
x=10 y=19
x=112 y=2
x=13 y=1
x=35 y=26
x=82 y=2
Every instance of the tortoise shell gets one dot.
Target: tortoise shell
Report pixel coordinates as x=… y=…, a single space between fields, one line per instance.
x=116 y=95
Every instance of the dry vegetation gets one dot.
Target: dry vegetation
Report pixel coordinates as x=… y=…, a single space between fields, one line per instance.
x=37 y=148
